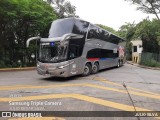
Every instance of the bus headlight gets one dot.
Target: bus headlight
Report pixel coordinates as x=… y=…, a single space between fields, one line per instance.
x=63 y=66
x=60 y=67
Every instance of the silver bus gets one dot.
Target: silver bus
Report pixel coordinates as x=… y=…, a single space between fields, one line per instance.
x=72 y=46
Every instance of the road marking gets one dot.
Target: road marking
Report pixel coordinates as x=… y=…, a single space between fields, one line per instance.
x=88 y=85
x=107 y=103
x=124 y=91
x=34 y=87
x=81 y=97
x=77 y=96
x=132 y=88
x=38 y=118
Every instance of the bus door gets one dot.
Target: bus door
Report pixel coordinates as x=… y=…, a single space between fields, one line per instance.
x=73 y=55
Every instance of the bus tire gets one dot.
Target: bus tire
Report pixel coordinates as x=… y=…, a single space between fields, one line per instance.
x=121 y=63
x=95 y=68
x=87 y=70
x=118 y=64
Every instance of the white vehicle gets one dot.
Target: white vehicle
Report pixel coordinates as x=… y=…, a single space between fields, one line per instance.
x=73 y=46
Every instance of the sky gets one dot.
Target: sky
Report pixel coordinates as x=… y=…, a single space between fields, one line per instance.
x=112 y=13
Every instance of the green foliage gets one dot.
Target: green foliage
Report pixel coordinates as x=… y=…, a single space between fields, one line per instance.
x=150 y=59
x=21 y=19
x=146 y=30
x=2 y=64
x=63 y=8
x=150 y=63
x=126 y=31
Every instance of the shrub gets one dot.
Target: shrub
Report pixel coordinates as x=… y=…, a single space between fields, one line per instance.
x=2 y=64
x=150 y=63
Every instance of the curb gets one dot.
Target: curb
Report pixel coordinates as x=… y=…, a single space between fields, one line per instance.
x=17 y=69
x=142 y=66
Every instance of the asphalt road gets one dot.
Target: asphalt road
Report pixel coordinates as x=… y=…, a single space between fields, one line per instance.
x=128 y=88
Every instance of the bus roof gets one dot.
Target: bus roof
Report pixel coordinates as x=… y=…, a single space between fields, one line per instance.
x=111 y=34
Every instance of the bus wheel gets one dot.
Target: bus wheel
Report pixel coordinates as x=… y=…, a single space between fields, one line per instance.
x=87 y=69
x=95 y=68
x=118 y=64
x=121 y=63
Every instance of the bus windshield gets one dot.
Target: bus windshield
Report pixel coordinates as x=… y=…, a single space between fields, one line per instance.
x=52 y=52
x=61 y=27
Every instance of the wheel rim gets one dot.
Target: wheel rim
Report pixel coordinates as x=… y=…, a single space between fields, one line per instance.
x=118 y=64
x=86 y=70
x=94 y=68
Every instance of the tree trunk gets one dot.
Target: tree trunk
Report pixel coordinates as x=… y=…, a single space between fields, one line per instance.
x=154 y=10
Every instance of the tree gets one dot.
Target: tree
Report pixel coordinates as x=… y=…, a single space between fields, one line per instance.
x=148 y=6
x=158 y=39
x=63 y=8
x=21 y=19
x=147 y=31
x=126 y=31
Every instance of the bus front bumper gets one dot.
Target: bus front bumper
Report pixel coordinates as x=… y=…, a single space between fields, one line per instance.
x=57 y=72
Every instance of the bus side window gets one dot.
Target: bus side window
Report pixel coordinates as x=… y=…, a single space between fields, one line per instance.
x=94 y=53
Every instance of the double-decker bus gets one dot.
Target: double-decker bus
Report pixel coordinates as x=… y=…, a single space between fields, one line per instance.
x=72 y=46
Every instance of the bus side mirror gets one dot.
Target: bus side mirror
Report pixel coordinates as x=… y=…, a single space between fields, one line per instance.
x=71 y=36
x=77 y=36
x=30 y=39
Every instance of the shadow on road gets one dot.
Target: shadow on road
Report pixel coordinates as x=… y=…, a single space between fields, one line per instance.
x=61 y=79
x=107 y=69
